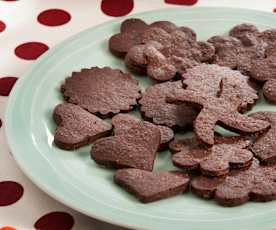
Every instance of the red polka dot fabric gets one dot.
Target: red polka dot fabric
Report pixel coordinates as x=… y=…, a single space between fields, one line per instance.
x=182 y=2
x=117 y=8
x=6 y=84
x=10 y=192
x=28 y=29
x=30 y=50
x=54 y=17
x=55 y=221
x=2 y=26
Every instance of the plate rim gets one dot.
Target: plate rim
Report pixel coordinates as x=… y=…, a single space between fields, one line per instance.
x=13 y=146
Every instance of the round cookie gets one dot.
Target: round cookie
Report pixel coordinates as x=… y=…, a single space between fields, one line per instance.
x=154 y=106
x=103 y=91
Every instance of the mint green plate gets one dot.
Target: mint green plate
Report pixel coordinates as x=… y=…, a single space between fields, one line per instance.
x=73 y=178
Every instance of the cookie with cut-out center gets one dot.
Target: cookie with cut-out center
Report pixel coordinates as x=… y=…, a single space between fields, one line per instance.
x=153 y=106
x=103 y=91
x=136 y=148
x=256 y=183
x=123 y=122
x=77 y=127
x=151 y=186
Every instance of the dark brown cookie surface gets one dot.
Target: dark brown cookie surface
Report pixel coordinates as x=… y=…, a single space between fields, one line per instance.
x=188 y=144
x=247 y=33
x=222 y=109
x=256 y=183
x=130 y=35
x=217 y=160
x=264 y=70
x=103 y=91
x=265 y=146
x=269 y=91
x=77 y=127
x=136 y=148
x=177 y=52
x=238 y=52
x=123 y=122
x=155 y=107
x=151 y=186
x=206 y=78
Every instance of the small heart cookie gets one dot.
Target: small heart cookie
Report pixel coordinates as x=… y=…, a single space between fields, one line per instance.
x=136 y=148
x=123 y=122
x=151 y=186
x=77 y=127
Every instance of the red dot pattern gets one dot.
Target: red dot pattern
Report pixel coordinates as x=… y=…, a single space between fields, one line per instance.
x=10 y=192
x=117 y=8
x=55 y=221
x=7 y=228
x=30 y=50
x=54 y=17
x=6 y=84
x=182 y=2
x=2 y=26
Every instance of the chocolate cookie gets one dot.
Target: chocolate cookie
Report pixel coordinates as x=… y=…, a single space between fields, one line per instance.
x=77 y=127
x=130 y=35
x=207 y=78
x=269 y=90
x=132 y=32
x=256 y=183
x=190 y=144
x=269 y=37
x=154 y=106
x=123 y=122
x=247 y=33
x=222 y=109
x=136 y=148
x=264 y=70
x=177 y=51
x=265 y=146
x=103 y=91
x=217 y=160
x=185 y=145
x=151 y=186
x=238 y=54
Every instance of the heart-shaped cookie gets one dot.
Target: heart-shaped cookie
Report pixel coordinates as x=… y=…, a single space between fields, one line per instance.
x=151 y=186
x=77 y=127
x=123 y=122
x=136 y=148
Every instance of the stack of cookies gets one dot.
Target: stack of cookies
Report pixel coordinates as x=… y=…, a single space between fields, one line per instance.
x=196 y=85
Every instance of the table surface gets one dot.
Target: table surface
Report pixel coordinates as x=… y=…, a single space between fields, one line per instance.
x=27 y=29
